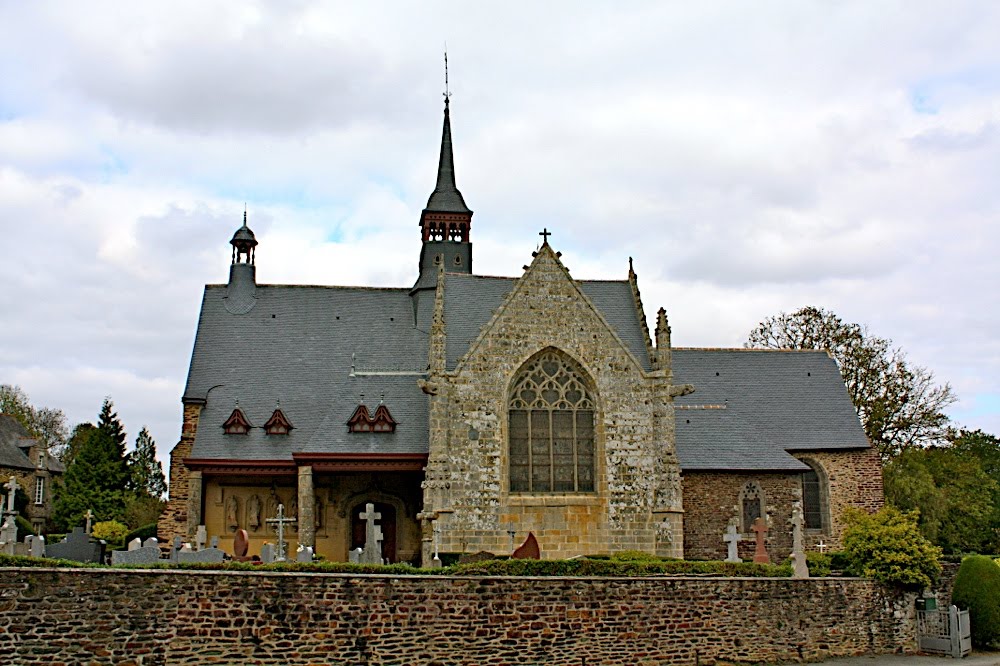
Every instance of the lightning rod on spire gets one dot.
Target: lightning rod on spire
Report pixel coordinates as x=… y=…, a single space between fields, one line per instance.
x=447 y=93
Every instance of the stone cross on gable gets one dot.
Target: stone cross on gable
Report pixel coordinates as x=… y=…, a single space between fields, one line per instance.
x=760 y=555
x=732 y=538
x=279 y=522
x=12 y=488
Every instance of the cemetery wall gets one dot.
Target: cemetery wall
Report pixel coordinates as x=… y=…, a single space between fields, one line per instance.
x=52 y=616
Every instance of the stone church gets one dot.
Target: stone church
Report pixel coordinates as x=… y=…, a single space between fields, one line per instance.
x=472 y=410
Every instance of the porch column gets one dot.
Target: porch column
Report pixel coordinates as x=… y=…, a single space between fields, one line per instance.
x=195 y=487
x=307 y=507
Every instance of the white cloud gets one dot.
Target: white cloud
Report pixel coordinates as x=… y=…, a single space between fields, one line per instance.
x=750 y=158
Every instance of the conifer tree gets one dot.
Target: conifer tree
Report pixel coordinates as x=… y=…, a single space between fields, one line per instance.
x=145 y=470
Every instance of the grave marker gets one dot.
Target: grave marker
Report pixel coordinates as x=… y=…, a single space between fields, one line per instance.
x=760 y=555
x=732 y=538
x=372 y=552
x=79 y=546
x=279 y=522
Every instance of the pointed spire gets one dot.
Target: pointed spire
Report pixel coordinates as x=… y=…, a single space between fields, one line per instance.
x=446 y=198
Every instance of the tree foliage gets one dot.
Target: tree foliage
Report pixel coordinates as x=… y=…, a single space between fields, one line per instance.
x=146 y=471
x=977 y=589
x=899 y=404
x=97 y=477
x=45 y=423
x=955 y=497
x=888 y=547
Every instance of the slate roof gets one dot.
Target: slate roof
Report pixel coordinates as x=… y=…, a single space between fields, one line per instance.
x=471 y=300
x=446 y=198
x=297 y=346
x=750 y=407
x=317 y=349
x=12 y=434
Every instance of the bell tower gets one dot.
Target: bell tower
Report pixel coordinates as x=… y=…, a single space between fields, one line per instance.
x=446 y=220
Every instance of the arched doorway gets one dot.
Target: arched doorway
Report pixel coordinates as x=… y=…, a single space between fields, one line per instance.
x=387 y=522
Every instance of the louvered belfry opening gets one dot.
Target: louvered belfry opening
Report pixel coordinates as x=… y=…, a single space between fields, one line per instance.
x=551 y=434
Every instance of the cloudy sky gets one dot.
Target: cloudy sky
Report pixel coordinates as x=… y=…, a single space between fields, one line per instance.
x=753 y=157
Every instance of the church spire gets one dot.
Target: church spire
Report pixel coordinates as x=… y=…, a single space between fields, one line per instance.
x=445 y=222
x=446 y=217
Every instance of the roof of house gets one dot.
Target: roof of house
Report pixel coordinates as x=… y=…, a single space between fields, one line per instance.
x=12 y=436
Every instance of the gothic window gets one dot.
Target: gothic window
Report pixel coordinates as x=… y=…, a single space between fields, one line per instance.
x=751 y=505
x=551 y=433
x=237 y=423
x=813 y=497
x=278 y=424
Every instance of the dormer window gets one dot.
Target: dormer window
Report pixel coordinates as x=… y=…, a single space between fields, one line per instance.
x=237 y=423
x=278 y=424
x=382 y=421
x=364 y=421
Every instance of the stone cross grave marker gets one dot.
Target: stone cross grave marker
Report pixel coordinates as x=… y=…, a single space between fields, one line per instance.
x=760 y=555
x=372 y=553
x=279 y=523
x=201 y=536
x=12 y=488
x=822 y=546
x=732 y=538
x=90 y=517
x=799 y=566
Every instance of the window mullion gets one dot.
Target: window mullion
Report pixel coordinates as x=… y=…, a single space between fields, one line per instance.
x=531 y=466
x=552 y=456
x=576 y=458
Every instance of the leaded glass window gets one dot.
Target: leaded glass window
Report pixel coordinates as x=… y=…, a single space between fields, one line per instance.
x=751 y=504
x=812 y=502
x=551 y=434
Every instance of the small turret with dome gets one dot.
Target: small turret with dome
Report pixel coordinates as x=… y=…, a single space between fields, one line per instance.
x=242 y=293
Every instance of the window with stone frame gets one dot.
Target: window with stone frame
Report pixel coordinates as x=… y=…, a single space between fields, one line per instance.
x=751 y=505
x=39 y=490
x=814 y=497
x=551 y=427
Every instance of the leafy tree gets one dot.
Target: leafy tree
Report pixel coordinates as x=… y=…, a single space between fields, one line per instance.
x=145 y=470
x=45 y=423
x=899 y=405
x=952 y=492
x=888 y=547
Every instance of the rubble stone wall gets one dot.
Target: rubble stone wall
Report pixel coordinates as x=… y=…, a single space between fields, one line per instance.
x=50 y=616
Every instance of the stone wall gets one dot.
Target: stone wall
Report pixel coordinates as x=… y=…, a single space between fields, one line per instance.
x=173 y=520
x=848 y=479
x=50 y=616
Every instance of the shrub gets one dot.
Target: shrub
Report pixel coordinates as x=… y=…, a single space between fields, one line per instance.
x=977 y=588
x=819 y=564
x=110 y=530
x=144 y=532
x=24 y=528
x=634 y=556
x=601 y=567
x=888 y=547
x=839 y=561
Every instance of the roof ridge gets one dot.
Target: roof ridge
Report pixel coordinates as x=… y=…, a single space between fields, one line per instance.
x=324 y=286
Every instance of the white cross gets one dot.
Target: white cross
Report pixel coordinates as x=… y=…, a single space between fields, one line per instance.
x=822 y=546
x=13 y=488
x=280 y=522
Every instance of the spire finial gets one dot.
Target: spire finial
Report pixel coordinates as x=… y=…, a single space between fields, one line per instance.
x=447 y=92
x=244 y=213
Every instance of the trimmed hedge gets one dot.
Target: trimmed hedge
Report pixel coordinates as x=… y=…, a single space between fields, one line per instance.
x=977 y=588
x=576 y=567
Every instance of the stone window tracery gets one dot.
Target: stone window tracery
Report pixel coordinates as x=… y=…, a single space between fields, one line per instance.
x=751 y=505
x=551 y=427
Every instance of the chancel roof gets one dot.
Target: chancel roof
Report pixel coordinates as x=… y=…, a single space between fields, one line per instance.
x=751 y=407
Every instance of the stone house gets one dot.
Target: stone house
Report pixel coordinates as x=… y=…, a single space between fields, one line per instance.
x=473 y=409
x=26 y=459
